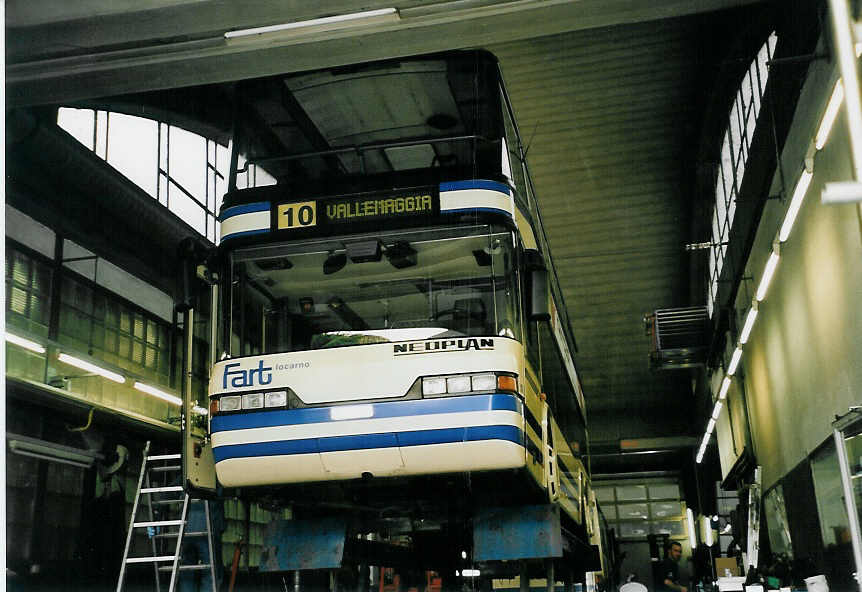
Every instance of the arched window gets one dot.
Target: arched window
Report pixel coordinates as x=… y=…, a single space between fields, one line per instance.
x=185 y=172
x=742 y=120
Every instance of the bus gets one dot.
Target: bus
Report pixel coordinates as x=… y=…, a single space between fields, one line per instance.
x=390 y=325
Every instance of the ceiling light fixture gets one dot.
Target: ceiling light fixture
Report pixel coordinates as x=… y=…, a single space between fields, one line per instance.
x=51 y=451
x=768 y=272
x=725 y=385
x=749 y=323
x=734 y=361
x=829 y=115
x=151 y=390
x=89 y=367
x=325 y=23
x=795 y=204
x=25 y=343
x=707 y=531
x=689 y=515
x=710 y=426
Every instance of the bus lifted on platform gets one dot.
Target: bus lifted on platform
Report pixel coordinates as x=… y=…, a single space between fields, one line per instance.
x=391 y=338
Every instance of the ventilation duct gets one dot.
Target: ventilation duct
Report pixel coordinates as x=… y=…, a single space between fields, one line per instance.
x=678 y=336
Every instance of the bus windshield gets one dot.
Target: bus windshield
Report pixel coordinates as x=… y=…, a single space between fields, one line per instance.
x=374 y=289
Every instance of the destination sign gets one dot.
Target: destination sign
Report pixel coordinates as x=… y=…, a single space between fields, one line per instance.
x=378 y=207
x=354 y=209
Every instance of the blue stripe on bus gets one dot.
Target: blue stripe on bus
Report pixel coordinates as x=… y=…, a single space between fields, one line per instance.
x=476 y=184
x=261 y=206
x=491 y=210
x=370 y=441
x=267 y=419
x=244 y=233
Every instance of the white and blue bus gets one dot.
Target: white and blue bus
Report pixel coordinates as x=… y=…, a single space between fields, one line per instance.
x=389 y=317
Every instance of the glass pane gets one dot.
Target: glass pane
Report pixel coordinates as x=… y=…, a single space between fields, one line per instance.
x=671 y=527
x=631 y=492
x=152 y=356
x=188 y=161
x=101 y=133
x=18 y=301
x=424 y=286
x=633 y=529
x=604 y=494
x=125 y=347
x=776 y=522
x=133 y=149
x=79 y=123
x=664 y=491
x=632 y=511
x=834 y=525
x=184 y=207
x=139 y=326
x=111 y=341
x=665 y=509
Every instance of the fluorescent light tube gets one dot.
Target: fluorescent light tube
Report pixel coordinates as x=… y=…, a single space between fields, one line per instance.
x=691 y=534
x=829 y=115
x=748 y=326
x=700 y=452
x=768 y=272
x=716 y=411
x=710 y=426
x=383 y=14
x=151 y=390
x=84 y=365
x=725 y=385
x=25 y=343
x=734 y=361
x=795 y=204
x=707 y=531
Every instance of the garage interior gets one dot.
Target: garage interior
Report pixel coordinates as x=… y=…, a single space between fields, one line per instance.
x=678 y=153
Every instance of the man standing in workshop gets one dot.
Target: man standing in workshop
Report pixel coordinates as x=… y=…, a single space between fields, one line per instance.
x=668 y=572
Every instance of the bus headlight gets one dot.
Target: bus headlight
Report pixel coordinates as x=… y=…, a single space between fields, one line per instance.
x=434 y=385
x=230 y=403
x=276 y=399
x=484 y=382
x=252 y=401
x=459 y=384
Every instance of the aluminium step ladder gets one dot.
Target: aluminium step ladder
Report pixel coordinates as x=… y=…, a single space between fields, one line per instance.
x=167 y=507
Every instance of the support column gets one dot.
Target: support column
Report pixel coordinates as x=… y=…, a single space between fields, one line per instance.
x=549 y=574
x=525 y=576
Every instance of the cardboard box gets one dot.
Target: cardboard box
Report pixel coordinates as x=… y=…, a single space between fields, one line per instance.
x=725 y=564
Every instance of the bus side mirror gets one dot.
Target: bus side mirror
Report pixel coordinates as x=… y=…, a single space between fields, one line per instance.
x=191 y=254
x=537 y=288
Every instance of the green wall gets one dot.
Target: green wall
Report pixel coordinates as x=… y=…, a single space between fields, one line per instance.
x=803 y=363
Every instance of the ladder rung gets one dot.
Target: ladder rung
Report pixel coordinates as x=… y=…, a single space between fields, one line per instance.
x=167 y=535
x=158 y=523
x=196 y=567
x=173 y=535
x=178 y=500
x=166 y=468
x=165 y=457
x=161 y=489
x=156 y=559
